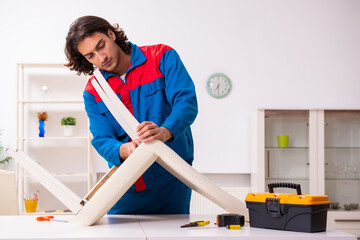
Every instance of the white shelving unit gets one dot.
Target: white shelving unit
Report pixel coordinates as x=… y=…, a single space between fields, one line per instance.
x=68 y=158
x=323 y=156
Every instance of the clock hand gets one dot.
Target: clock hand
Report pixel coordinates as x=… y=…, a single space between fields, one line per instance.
x=217 y=87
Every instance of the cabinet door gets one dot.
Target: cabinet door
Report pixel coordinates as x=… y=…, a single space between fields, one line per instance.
x=342 y=157
x=287 y=162
x=290 y=161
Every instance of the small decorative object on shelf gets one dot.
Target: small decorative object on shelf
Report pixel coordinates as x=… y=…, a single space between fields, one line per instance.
x=45 y=90
x=42 y=116
x=283 y=141
x=334 y=205
x=7 y=159
x=68 y=125
x=31 y=203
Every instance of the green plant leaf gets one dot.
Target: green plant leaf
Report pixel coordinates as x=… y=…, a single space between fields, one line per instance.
x=68 y=121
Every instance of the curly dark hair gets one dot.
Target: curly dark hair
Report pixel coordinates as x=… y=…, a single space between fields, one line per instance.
x=80 y=29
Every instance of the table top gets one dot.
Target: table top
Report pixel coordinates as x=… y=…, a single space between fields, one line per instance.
x=109 y=227
x=151 y=227
x=161 y=227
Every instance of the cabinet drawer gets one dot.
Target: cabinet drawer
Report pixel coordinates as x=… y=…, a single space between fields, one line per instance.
x=345 y=221
x=344 y=224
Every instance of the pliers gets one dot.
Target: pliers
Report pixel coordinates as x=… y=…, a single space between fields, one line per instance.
x=196 y=224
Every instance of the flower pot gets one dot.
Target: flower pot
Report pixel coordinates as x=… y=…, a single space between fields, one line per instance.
x=69 y=130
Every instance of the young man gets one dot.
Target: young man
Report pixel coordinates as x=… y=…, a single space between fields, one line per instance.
x=154 y=85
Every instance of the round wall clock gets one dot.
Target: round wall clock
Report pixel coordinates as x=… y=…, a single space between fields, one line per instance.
x=218 y=85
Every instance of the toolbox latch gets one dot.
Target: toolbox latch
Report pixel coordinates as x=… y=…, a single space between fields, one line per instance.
x=272 y=207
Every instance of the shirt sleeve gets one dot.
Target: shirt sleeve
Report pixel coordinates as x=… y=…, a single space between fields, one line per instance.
x=104 y=136
x=180 y=93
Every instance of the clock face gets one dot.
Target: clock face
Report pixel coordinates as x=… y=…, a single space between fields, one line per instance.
x=218 y=85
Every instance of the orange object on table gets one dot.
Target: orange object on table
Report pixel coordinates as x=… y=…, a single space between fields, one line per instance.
x=46 y=218
x=49 y=218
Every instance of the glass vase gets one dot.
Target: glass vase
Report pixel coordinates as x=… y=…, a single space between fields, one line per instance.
x=41 y=128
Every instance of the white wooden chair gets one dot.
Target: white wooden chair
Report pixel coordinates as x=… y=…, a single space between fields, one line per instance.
x=119 y=179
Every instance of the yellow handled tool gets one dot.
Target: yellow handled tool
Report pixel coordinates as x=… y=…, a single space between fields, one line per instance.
x=196 y=224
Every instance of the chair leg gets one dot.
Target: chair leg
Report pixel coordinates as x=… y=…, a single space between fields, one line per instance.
x=116 y=186
x=173 y=163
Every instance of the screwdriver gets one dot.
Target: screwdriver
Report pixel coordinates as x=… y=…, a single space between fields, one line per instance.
x=49 y=218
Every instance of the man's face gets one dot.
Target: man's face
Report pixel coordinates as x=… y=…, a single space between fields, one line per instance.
x=101 y=50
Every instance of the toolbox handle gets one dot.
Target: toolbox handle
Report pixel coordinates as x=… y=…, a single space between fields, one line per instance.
x=296 y=186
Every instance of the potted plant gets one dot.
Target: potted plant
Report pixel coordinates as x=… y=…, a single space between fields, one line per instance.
x=68 y=124
x=42 y=116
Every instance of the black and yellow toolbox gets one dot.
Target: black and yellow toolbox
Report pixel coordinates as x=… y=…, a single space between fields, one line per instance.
x=283 y=211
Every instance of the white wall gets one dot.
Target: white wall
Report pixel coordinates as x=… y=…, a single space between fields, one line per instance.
x=278 y=54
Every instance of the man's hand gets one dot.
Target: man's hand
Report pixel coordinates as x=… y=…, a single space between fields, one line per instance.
x=127 y=148
x=149 y=131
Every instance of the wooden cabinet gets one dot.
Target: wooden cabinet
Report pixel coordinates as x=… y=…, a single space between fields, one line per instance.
x=323 y=155
x=58 y=91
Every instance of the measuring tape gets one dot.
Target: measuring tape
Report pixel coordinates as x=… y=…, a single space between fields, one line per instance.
x=229 y=219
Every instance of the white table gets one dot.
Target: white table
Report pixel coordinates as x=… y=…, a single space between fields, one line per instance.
x=161 y=227
x=149 y=227
x=109 y=227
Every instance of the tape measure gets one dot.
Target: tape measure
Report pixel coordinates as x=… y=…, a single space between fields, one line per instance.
x=230 y=219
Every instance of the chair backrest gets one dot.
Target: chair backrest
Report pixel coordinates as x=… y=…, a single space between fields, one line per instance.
x=8 y=193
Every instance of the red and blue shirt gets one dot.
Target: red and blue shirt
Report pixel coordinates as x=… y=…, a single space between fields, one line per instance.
x=157 y=88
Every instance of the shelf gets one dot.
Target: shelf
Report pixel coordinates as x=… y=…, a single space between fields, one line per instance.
x=286 y=147
x=287 y=179
x=42 y=65
x=60 y=175
x=286 y=113
x=52 y=138
x=49 y=212
x=342 y=179
x=49 y=101
x=341 y=209
x=342 y=148
x=342 y=113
